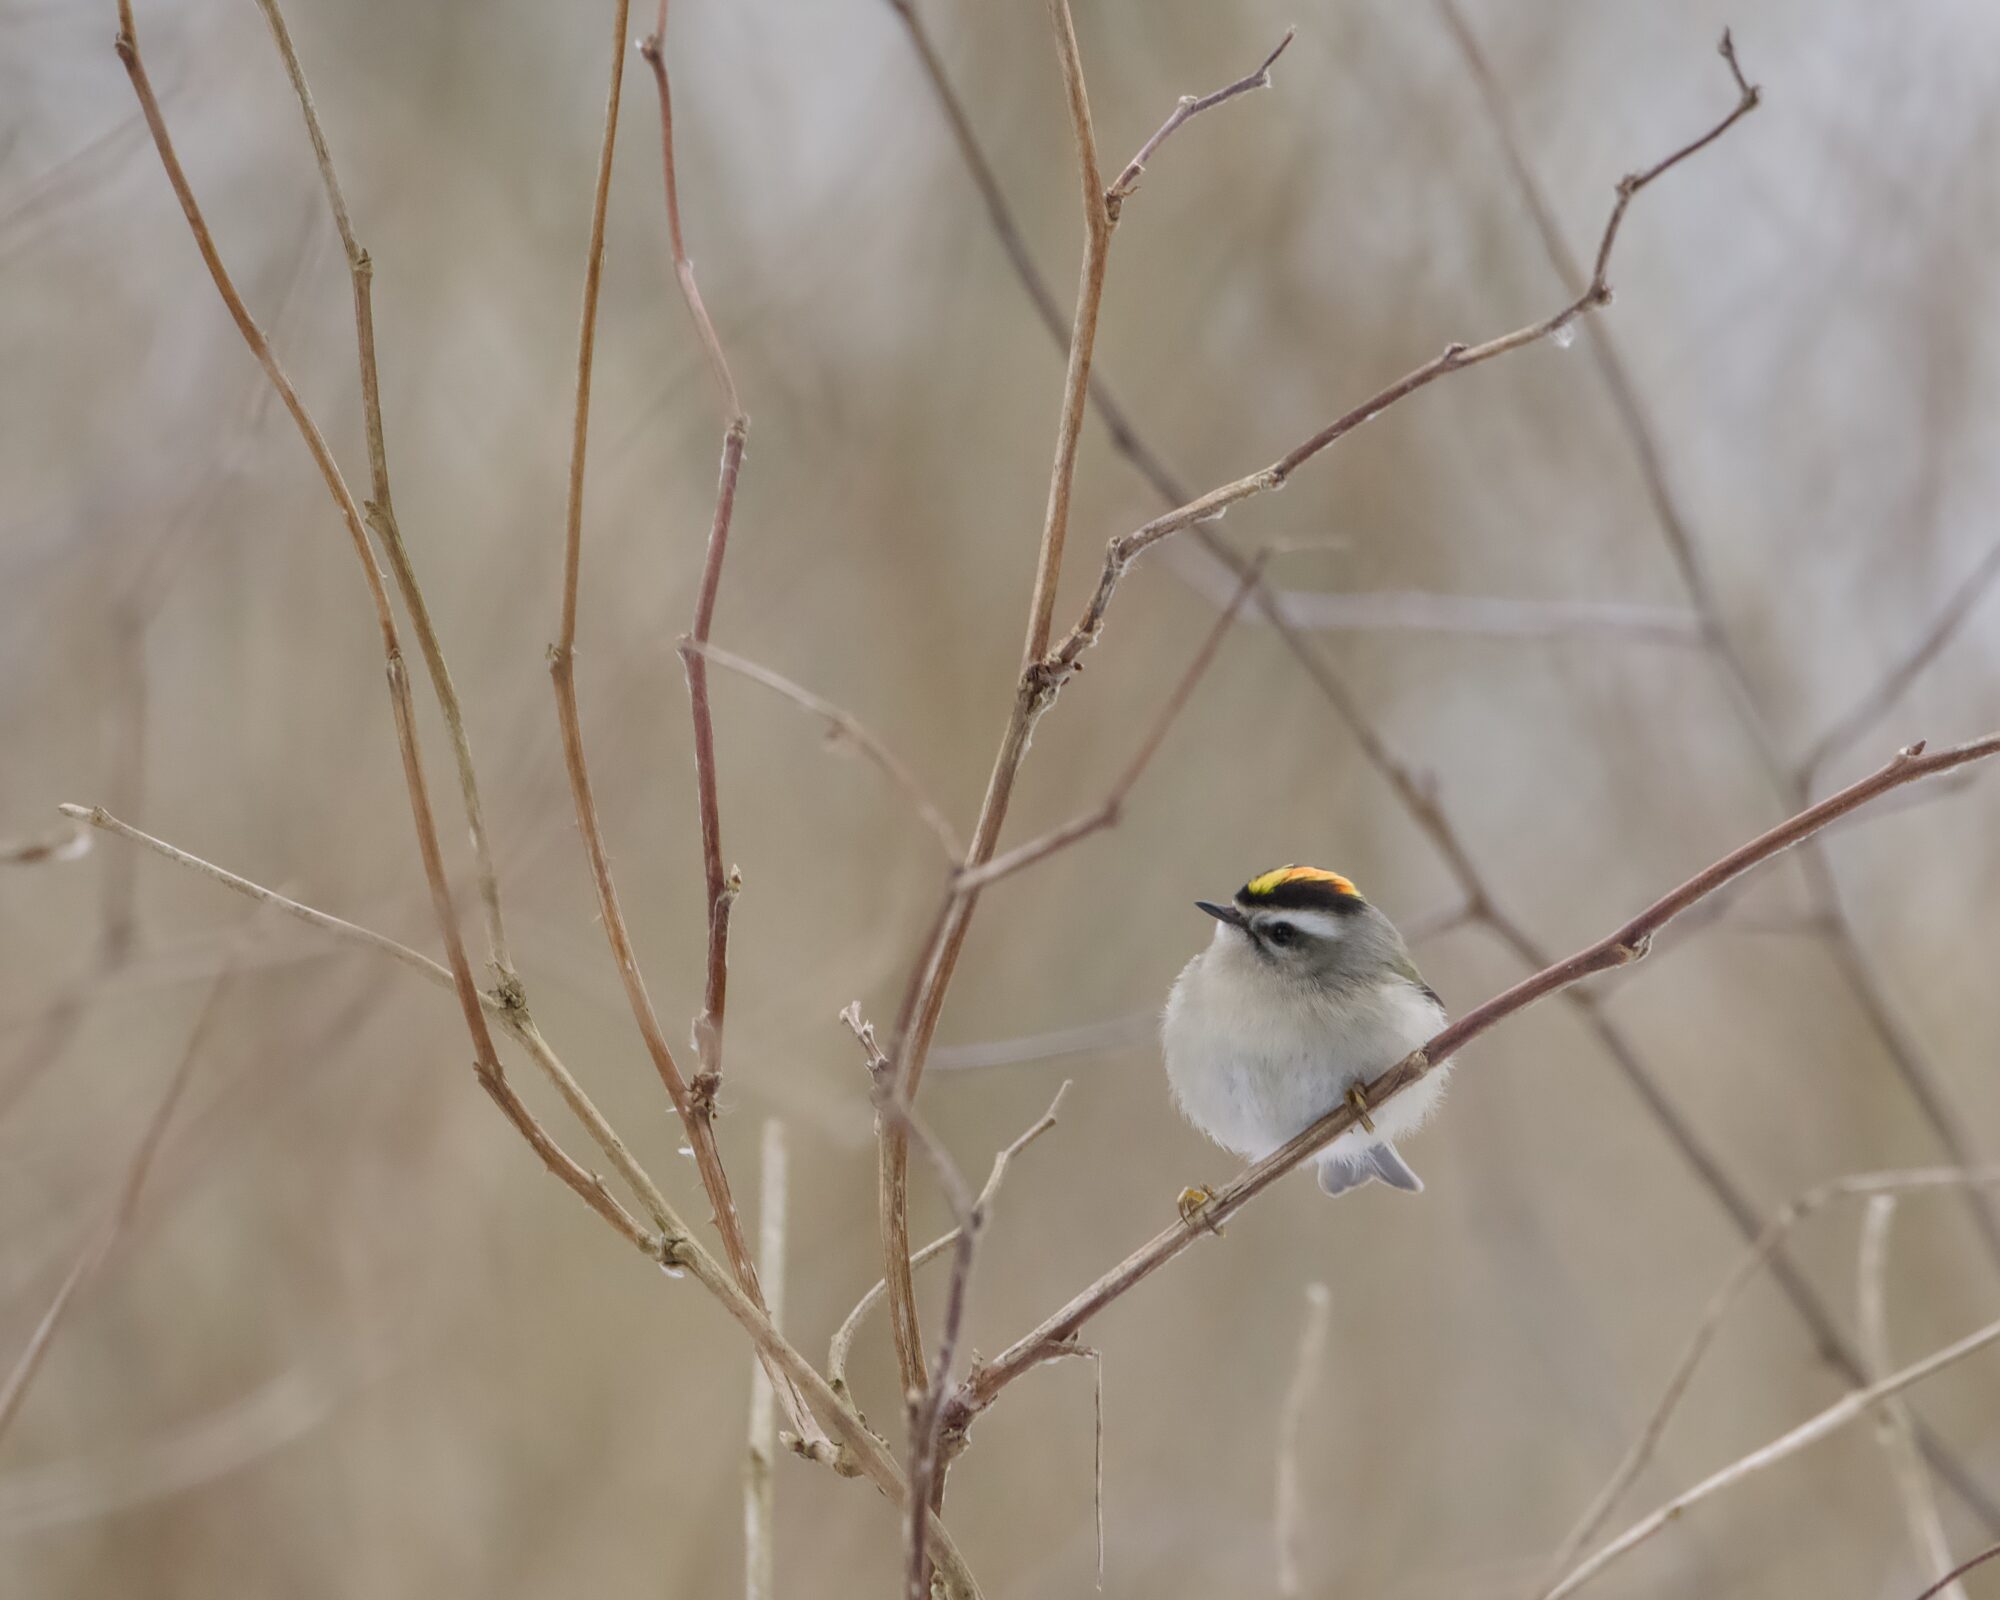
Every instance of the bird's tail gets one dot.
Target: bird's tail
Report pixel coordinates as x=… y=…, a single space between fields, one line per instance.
x=1379 y=1162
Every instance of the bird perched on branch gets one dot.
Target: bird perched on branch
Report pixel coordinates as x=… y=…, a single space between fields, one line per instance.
x=1305 y=993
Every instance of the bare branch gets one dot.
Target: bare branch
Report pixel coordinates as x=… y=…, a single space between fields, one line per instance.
x=1959 y=1571
x=505 y=1010
x=486 y=1064
x=1107 y=812
x=1765 y=1249
x=722 y=887
x=843 y=725
x=760 y=1531
x=1291 y=1421
x=843 y=1338
x=1619 y=948
x=118 y=1216
x=1788 y=784
x=1847 y=729
x=1126 y=548
x=917 y=1017
x=1893 y=1427
x=1833 y=1418
x=380 y=513
x=693 y=1112
x=1190 y=106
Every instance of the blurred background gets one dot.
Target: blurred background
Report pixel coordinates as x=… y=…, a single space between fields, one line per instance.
x=355 y=1342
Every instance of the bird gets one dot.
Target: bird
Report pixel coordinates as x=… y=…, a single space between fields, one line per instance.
x=1305 y=992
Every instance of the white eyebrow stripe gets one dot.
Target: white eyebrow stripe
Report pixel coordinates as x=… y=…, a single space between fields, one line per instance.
x=1315 y=924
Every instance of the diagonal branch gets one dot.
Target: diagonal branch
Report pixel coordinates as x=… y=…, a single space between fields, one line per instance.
x=1836 y=1416
x=1126 y=548
x=1843 y=732
x=1764 y=1250
x=1282 y=610
x=1619 y=948
x=380 y=512
x=923 y=999
x=118 y=1217
x=485 y=1062
x=843 y=725
x=1105 y=813
x=1788 y=783
x=1894 y=1429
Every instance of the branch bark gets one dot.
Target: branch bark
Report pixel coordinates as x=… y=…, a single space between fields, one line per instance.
x=1619 y=948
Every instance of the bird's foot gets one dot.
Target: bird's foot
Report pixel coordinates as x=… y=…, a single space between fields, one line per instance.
x=1193 y=1206
x=1357 y=1100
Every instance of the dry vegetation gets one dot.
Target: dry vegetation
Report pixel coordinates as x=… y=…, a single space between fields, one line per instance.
x=1590 y=595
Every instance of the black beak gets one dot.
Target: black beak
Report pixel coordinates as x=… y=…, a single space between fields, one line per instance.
x=1228 y=914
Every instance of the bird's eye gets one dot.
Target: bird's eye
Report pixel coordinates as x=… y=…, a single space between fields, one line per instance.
x=1280 y=932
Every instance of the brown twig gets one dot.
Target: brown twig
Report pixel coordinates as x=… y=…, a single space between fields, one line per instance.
x=1191 y=106
x=843 y=1338
x=860 y=1450
x=1834 y=1417
x=486 y=1063
x=1624 y=945
x=1790 y=783
x=118 y=1216
x=562 y=672
x=1126 y=548
x=1291 y=1421
x=722 y=887
x=1894 y=1430
x=1764 y=1249
x=843 y=725
x=1277 y=607
x=923 y=1000
x=380 y=514
x=1960 y=1571
x=1105 y=813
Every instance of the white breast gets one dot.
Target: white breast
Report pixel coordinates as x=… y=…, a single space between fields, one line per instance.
x=1252 y=1061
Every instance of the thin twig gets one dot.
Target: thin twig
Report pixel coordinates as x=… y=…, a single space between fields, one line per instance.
x=1788 y=782
x=1414 y=791
x=843 y=1338
x=562 y=672
x=930 y=976
x=506 y=1012
x=1847 y=729
x=760 y=1486
x=1291 y=1422
x=1764 y=1249
x=1834 y=1417
x=843 y=725
x=1192 y=106
x=860 y=1450
x=1105 y=813
x=1126 y=548
x=1959 y=1571
x=722 y=887
x=485 y=1062
x=1624 y=945
x=380 y=512
x=1893 y=1427
x=124 y=1205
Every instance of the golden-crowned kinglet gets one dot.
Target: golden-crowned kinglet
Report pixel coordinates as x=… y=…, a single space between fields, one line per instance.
x=1305 y=992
